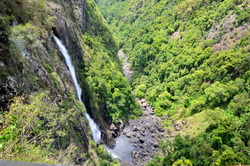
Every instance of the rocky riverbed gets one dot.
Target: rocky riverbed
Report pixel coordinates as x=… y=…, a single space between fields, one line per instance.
x=126 y=65
x=144 y=133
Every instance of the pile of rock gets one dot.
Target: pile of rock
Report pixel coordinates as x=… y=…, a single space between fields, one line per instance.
x=179 y=125
x=144 y=134
x=126 y=65
x=111 y=133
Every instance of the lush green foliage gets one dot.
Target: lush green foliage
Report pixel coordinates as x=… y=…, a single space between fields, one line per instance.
x=226 y=143
x=188 y=57
x=183 y=64
x=34 y=125
x=107 y=88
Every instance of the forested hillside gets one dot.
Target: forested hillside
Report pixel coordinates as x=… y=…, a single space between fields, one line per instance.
x=191 y=61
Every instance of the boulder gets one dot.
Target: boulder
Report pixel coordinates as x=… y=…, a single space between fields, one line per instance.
x=121 y=124
x=134 y=154
x=152 y=142
x=110 y=138
x=144 y=105
x=169 y=132
x=143 y=100
x=113 y=127
x=177 y=126
x=160 y=129
x=149 y=149
x=129 y=133
x=184 y=121
x=164 y=117
x=134 y=140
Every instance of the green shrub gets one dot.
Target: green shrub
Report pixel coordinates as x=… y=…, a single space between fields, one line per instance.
x=140 y=91
x=197 y=105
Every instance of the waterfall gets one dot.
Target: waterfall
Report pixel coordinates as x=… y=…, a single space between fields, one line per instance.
x=93 y=126
x=123 y=147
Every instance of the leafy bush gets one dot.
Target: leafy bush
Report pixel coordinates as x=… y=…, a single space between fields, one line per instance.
x=207 y=148
x=197 y=105
x=219 y=93
x=140 y=91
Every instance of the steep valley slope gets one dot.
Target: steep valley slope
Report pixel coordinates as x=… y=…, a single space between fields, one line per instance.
x=190 y=61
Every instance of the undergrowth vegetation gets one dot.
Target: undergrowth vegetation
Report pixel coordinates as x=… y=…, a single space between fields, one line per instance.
x=34 y=125
x=35 y=129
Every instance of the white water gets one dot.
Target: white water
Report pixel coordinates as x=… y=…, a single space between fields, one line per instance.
x=93 y=126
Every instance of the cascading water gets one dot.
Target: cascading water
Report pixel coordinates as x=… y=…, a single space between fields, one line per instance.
x=93 y=126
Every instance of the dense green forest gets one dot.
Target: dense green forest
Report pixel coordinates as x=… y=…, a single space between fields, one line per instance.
x=191 y=59
x=107 y=87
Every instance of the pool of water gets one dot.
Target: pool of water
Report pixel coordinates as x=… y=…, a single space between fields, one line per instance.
x=123 y=149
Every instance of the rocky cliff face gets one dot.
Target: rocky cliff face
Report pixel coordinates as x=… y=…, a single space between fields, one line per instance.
x=70 y=27
x=31 y=62
x=29 y=67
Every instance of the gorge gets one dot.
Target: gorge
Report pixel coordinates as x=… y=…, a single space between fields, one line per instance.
x=125 y=82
